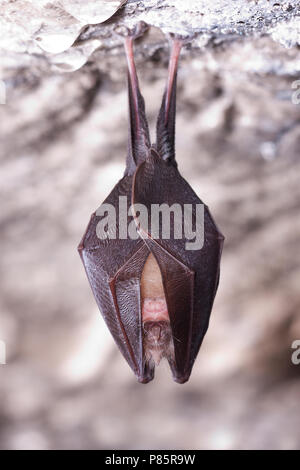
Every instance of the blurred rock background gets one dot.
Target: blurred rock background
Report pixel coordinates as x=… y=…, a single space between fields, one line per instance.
x=63 y=146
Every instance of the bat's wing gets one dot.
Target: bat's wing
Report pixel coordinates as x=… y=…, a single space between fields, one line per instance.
x=114 y=268
x=190 y=277
x=178 y=282
x=125 y=289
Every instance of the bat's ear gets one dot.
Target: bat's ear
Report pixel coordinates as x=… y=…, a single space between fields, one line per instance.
x=165 y=127
x=138 y=138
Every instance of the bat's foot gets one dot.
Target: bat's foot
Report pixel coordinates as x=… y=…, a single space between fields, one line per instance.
x=174 y=36
x=180 y=38
x=136 y=32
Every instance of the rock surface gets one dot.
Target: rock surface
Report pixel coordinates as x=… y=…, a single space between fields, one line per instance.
x=63 y=146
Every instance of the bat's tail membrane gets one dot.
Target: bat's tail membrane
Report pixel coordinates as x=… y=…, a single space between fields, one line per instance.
x=165 y=127
x=138 y=139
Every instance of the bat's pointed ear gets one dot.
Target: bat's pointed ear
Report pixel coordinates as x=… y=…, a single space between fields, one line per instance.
x=138 y=138
x=165 y=127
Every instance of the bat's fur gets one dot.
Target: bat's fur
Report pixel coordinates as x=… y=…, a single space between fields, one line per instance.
x=158 y=341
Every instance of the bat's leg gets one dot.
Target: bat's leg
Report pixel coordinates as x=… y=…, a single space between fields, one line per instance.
x=138 y=139
x=165 y=126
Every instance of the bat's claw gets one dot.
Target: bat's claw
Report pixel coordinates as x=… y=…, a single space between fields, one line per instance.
x=137 y=31
x=183 y=40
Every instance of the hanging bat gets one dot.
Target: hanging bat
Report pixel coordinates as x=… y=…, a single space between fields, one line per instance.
x=155 y=295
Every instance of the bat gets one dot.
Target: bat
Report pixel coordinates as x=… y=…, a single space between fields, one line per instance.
x=155 y=295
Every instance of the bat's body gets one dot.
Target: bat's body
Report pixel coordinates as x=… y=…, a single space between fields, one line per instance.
x=155 y=295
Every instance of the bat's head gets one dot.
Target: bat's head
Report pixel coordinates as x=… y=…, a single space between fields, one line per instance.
x=158 y=342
